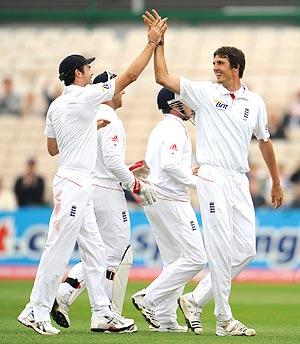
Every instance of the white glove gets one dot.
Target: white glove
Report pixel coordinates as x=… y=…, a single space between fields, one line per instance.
x=140 y=169
x=145 y=191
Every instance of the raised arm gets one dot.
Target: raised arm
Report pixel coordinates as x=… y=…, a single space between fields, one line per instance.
x=266 y=148
x=138 y=65
x=162 y=75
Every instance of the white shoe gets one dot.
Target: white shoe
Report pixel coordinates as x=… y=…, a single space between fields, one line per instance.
x=147 y=312
x=131 y=329
x=111 y=322
x=192 y=313
x=45 y=327
x=60 y=309
x=176 y=328
x=233 y=327
x=26 y=318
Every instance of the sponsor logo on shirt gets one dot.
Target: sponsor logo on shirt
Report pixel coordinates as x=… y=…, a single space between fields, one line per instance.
x=106 y=86
x=220 y=105
x=115 y=138
x=173 y=147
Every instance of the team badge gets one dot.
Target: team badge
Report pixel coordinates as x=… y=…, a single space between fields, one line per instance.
x=212 y=207
x=73 y=211
x=246 y=114
x=193 y=225
x=115 y=138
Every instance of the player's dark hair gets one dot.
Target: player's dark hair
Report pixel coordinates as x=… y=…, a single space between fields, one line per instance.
x=70 y=77
x=235 y=56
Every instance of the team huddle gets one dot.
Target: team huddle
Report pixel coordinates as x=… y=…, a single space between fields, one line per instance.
x=83 y=127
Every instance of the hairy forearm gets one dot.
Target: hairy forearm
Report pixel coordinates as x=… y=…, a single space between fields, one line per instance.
x=268 y=154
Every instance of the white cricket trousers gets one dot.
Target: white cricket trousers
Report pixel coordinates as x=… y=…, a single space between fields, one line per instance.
x=180 y=244
x=113 y=223
x=72 y=220
x=228 y=220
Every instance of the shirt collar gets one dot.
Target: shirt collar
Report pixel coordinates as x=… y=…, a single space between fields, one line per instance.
x=242 y=92
x=70 y=88
x=169 y=115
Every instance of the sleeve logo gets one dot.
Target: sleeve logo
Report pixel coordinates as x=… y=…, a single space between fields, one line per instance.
x=115 y=138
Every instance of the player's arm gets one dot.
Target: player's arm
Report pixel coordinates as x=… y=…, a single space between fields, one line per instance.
x=52 y=146
x=171 y=160
x=139 y=64
x=266 y=148
x=162 y=75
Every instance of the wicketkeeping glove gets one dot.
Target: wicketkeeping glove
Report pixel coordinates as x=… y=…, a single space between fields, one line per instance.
x=145 y=191
x=140 y=169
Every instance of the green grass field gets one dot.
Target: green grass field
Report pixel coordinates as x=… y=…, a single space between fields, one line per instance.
x=273 y=310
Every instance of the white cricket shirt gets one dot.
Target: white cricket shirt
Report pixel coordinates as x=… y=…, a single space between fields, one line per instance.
x=110 y=167
x=169 y=154
x=71 y=120
x=224 y=127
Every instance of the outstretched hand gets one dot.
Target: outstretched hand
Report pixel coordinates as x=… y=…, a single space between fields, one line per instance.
x=154 y=23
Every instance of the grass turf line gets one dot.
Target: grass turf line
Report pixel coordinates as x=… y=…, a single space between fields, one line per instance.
x=273 y=310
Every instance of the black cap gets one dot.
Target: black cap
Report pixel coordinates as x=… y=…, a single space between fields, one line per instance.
x=164 y=95
x=72 y=62
x=104 y=77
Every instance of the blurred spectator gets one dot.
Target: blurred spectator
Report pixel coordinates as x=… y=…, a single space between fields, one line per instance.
x=51 y=95
x=291 y=119
x=276 y=126
x=29 y=188
x=10 y=102
x=257 y=198
x=295 y=176
x=7 y=198
x=295 y=203
x=30 y=107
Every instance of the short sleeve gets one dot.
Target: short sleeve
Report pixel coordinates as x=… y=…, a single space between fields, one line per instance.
x=193 y=93
x=100 y=93
x=49 y=130
x=261 y=128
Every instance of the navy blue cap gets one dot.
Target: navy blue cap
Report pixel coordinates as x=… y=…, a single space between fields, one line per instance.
x=104 y=77
x=72 y=62
x=164 y=95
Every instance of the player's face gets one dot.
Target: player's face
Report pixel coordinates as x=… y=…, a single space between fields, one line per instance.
x=223 y=72
x=87 y=74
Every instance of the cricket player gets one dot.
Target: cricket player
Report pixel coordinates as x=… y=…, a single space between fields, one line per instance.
x=172 y=217
x=71 y=132
x=112 y=214
x=227 y=114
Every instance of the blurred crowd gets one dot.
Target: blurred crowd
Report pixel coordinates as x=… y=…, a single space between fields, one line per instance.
x=29 y=188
